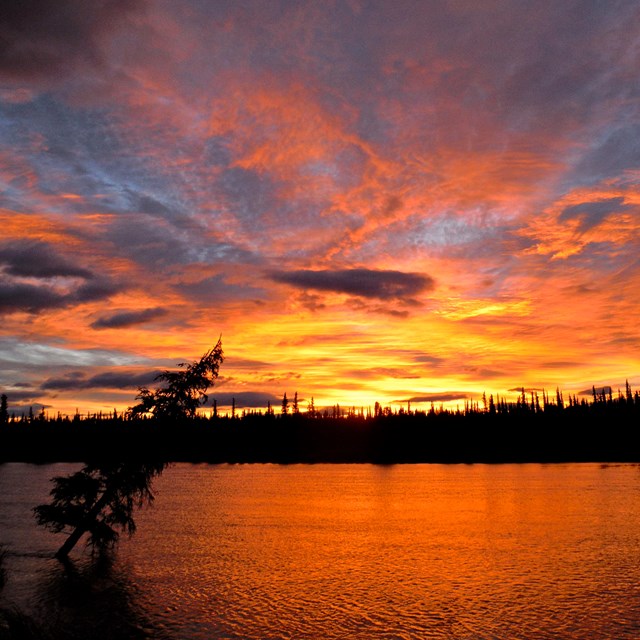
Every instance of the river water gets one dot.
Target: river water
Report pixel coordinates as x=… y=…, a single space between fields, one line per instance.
x=343 y=551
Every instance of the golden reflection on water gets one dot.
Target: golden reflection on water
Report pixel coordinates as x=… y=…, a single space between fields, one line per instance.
x=361 y=551
x=346 y=551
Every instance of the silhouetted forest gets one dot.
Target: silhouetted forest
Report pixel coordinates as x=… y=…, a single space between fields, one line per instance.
x=605 y=427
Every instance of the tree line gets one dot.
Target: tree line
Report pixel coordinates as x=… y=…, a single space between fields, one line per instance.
x=160 y=406
x=535 y=426
x=123 y=453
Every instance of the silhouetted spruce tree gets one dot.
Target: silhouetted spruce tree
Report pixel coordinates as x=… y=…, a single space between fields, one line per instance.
x=4 y=413
x=100 y=499
x=295 y=409
x=184 y=391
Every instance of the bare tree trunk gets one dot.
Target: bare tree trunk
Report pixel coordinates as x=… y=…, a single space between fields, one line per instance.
x=73 y=539
x=70 y=542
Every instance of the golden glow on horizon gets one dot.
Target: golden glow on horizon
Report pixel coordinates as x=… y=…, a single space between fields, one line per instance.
x=190 y=190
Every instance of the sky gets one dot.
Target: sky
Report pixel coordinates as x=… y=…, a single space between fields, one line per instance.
x=368 y=200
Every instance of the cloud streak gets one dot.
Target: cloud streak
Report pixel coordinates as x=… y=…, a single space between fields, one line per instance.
x=366 y=283
x=76 y=381
x=38 y=260
x=437 y=397
x=125 y=319
x=15 y=297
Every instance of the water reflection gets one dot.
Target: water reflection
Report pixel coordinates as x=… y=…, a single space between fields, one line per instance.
x=93 y=598
x=349 y=551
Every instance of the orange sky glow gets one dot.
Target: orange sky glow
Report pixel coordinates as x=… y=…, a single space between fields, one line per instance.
x=369 y=200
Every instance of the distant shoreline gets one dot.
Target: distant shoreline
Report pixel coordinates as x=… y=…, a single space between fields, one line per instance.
x=606 y=433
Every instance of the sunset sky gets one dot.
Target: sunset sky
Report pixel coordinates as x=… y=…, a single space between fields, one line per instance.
x=368 y=200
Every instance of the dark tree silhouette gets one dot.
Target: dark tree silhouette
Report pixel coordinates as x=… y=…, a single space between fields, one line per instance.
x=100 y=499
x=296 y=409
x=184 y=391
x=4 y=413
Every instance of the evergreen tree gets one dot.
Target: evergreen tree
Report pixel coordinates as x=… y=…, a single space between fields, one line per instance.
x=4 y=413
x=100 y=499
x=184 y=391
x=295 y=408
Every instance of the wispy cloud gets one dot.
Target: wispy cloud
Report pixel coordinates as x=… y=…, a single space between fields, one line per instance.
x=336 y=188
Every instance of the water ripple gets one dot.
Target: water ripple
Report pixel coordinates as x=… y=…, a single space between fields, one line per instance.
x=512 y=552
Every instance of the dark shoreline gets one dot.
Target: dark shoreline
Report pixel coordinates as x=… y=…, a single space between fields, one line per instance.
x=392 y=439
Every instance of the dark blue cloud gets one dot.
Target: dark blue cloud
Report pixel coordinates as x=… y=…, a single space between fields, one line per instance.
x=217 y=289
x=437 y=397
x=76 y=380
x=591 y=214
x=250 y=194
x=617 y=150
x=128 y=318
x=144 y=203
x=157 y=243
x=38 y=260
x=27 y=297
x=43 y=40
x=42 y=263
x=19 y=396
x=599 y=391
x=366 y=283
x=36 y=298
x=244 y=399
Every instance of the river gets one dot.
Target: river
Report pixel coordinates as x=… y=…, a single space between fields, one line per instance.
x=343 y=551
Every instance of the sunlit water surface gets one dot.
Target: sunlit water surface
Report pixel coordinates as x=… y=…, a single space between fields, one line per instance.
x=345 y=551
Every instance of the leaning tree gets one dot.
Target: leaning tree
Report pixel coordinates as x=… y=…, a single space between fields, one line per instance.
x=100 y=499
x=184 y=391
